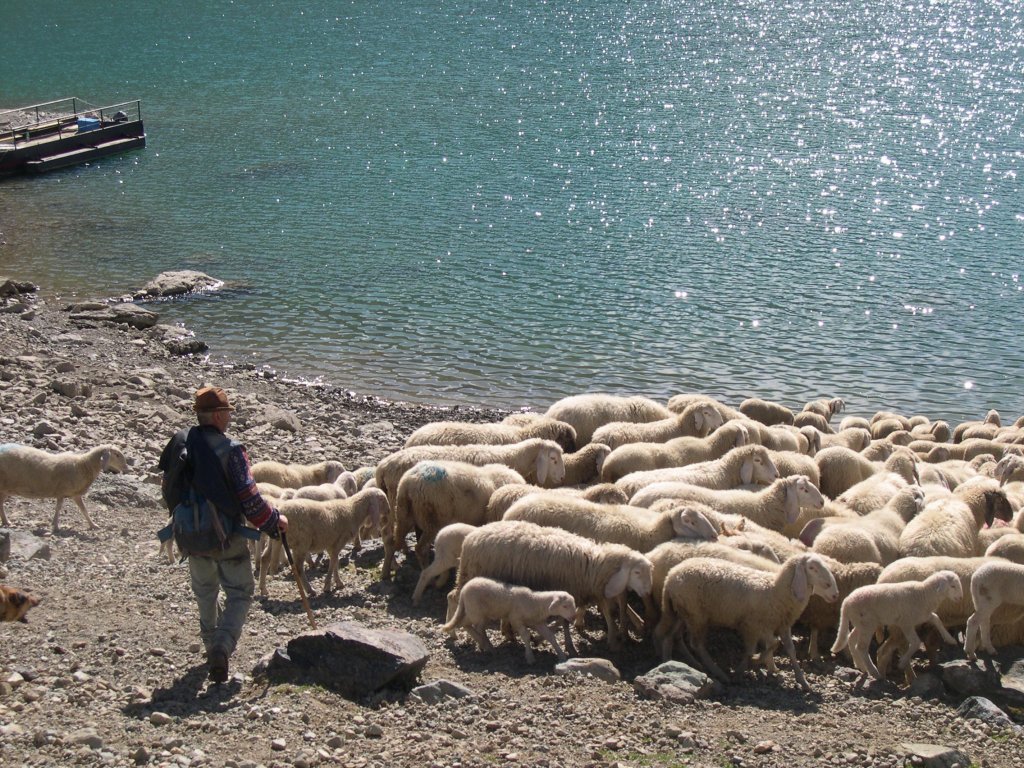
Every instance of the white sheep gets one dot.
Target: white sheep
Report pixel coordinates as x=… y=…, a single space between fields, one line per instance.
x=705 y=592
x=967 y=450
x=698 y=420
x=905 y=604
x=677 y=452
x=840 y=468
x=854 y=438
x=825 y=407
x=538 y=461
x=589 y=411
x=549 y=558
x=34 y=474
x=447 y=550
x=436 y=492
x=950 y=525
x=679 y=404
x=741 y=466
x=993 y=585
x=325 y=526
x=635 y=527
x=766 y=411
x=296 y=475
x=669 y=554
x=986 y=428
x=775 y=507
x=790 y=463
x=875 y=492
x=513 y=429
x=584 y=466
x=507 y=495
x=483 y=600
x=342 y=487
x=871 y=538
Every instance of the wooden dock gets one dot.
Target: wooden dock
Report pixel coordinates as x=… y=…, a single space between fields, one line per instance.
x=57 y=134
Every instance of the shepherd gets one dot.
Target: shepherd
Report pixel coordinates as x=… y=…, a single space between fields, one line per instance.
x=216 y=507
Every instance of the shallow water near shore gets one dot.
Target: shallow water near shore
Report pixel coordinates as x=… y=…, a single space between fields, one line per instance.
x=504 y=205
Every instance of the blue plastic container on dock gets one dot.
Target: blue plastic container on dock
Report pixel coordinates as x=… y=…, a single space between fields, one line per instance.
x=88 y=124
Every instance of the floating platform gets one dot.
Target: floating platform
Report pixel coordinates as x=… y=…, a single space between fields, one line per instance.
x=44 y=137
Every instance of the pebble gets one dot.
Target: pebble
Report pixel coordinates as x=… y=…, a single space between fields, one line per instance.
x=160 y=718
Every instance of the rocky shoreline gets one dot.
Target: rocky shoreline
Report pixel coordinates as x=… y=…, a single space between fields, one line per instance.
x=108 y=669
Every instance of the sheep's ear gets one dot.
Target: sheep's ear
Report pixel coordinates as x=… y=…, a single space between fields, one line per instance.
x=747 y=471
x=698 y=421
x=800 y=581
x=792 y=505
x=810 y=531
x=742 y=438
x=617 y=584
x=542 y=466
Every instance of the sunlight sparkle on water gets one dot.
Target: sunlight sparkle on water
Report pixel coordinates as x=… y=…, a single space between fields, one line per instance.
x=968 y=385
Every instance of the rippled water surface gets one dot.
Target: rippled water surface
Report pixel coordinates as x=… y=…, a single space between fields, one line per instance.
x=505 y=203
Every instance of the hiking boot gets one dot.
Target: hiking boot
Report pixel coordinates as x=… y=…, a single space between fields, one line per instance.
x=218 y=660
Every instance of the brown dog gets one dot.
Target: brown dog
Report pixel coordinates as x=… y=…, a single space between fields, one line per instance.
x=14 y=604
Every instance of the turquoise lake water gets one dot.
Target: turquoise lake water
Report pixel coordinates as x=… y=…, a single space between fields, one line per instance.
x=505 y=203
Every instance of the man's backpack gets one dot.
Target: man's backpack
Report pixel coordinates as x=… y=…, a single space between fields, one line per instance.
x=195 y=471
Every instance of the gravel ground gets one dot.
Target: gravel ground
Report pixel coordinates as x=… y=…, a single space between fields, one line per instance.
x=108 y=669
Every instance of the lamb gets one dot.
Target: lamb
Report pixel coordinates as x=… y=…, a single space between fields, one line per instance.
x=296 y=475
x=484 y=600
x=950 y=525
x=773 y=507
x=935 y=431
x=436 y=492
x=1009 y=547
x=986 y=428
x=584 y=466
x=342 y=487
x=325 y=526
x=678 y=452
x=698 y=420
x=874 y=492
x=637 y=528
x=34 y=474
x=741 y=466
x=821 y=616
x=905 y=604
x=447 y=550
x=589 y=411
x=872 y=538
x=841 y=468
x=542 y=558
x=507 y=495
x=766 y=411
x=513 y=429
x=825 y=407
x=538 y=461
x=993 y=585
x=705 y=592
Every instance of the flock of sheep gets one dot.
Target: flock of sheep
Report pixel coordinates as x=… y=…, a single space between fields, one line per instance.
x=672 y=520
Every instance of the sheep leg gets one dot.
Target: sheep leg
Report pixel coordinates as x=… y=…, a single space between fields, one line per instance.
x=423 y=544
x=709 y=664
x=389 y=557
x=787 y=643
x=915 y=643
x=937 y=623
x=813 y=654
x=81 y=505
x=3 y=515
x=888 y=649
x=650 y=614
x=56 y=513
x=567 y=635
x=524 y=635
x=609 y=620
x=860 y=640
x=545 y=631
x=479 y=634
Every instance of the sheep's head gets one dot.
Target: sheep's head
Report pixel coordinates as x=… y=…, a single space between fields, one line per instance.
x=992 y=417
x=635 y=572
x=377 y=508
x=112 y=460
x=563 y=605
x=332 y=470
x=690 y=523
x=835 y=405
x=706 y=418
x=813 y=438
x=561 y=432
x=813 y=577
x=1009 y=469
x=800 y=492
x=549 y=464
x=756 y=466
x=599 y=452
x=947 y=584
x=346 y=481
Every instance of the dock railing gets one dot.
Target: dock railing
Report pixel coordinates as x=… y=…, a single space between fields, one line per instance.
x=56 y=119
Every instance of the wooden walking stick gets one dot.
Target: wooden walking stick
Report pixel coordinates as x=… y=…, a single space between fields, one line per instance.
x=298 y=579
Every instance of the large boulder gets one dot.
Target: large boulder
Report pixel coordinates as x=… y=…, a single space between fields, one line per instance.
x=122 y=314
x=350 y=658
x=178 y=283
